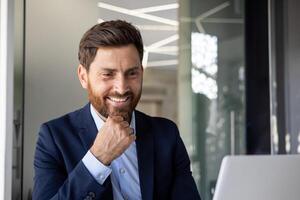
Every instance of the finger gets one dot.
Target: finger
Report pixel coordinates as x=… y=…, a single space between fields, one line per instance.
x=127 y=141
x=129 y=130
x=124 y=124
x=132 y=137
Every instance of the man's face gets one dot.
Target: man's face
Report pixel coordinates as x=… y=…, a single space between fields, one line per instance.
x=114 y=81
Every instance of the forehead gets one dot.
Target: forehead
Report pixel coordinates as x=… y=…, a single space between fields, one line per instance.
x=117 y=55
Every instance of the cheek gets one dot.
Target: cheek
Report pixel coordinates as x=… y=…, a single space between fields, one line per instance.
x=136 y=84
x=100 y=88
x=101 y=92
x=139 y=86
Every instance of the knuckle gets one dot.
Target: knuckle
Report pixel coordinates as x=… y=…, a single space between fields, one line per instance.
x=125 y=124
x=119 y=126
x=127 y=130
x=130 y=131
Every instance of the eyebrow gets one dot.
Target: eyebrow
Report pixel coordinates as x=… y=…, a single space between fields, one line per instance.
x=133 y=68
x=113 y=70
x=108 y=69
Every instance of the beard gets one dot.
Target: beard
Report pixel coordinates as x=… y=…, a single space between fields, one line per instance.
x=105 y=110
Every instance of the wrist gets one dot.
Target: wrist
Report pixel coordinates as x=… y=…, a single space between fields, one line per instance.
x=101 y=156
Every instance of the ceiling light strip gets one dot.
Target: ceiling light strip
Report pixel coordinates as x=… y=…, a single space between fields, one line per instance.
x=137 y=14
x=165 y=49
x=100 y=20
x=199 y=26
x=213 y=10
x=157 y=8
x=165 y=53
x=162 y=42
x=157 y=27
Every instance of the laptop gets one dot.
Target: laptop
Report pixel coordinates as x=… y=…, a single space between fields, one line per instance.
x=268 y=177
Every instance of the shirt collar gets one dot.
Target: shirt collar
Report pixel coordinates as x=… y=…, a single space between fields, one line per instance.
x=99 y=122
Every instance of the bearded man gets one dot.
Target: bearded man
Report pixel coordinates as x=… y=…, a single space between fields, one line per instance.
x=107 y=149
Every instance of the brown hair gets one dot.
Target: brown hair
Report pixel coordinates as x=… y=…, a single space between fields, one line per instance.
x=108 y=34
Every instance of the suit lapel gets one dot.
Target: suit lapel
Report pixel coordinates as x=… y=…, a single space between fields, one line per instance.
x=87 y=127
x=145 y=154
x=87 y=133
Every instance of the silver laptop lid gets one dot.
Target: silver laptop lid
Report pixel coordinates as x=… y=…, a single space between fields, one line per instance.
x=259 y=178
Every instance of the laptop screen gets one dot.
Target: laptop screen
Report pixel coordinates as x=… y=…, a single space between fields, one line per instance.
x=275 y=177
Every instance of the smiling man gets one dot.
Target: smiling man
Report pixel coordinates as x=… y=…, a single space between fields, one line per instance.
x=107 y=149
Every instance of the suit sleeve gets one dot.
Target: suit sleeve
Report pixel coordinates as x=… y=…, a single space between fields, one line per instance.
x=184 y=186
x=51 y=180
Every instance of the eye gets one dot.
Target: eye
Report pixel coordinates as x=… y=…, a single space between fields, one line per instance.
x=133 y=73
x=107 y=74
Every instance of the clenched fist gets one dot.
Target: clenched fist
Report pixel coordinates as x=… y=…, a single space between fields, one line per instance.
x=112 y=140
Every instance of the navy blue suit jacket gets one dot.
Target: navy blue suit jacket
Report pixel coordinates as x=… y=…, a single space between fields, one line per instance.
x=164 y=165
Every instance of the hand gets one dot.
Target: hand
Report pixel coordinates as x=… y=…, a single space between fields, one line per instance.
x=112 y=140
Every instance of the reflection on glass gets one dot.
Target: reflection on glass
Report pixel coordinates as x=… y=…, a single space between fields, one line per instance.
x=288 y=143
x=298 y=139
x=203 y=84
x=204 y=60
x=204 y=52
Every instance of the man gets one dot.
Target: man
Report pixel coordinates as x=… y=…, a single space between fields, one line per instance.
x=108 y=150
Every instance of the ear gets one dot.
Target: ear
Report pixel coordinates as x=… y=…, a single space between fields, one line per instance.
x=82 y=76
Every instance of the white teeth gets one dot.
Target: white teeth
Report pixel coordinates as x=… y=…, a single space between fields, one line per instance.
x=118 y=99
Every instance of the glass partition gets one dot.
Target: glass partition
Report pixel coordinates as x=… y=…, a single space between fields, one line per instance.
x=211 y=91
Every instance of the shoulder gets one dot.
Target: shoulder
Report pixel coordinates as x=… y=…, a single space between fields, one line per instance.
x=63 y=126
x=65 y=120
x=55 y=134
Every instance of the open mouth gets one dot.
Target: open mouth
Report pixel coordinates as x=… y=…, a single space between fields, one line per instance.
x=119 y=101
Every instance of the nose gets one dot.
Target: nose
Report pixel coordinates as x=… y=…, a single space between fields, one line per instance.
x=121 y=85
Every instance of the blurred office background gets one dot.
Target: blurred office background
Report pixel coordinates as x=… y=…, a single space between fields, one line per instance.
x=226 y=71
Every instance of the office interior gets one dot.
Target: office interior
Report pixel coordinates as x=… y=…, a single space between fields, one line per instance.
x=226 y=71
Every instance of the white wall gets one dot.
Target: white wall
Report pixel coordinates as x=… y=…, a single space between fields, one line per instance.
x=53 y=31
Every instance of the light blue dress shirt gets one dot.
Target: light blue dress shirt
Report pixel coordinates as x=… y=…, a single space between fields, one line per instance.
x=123 y=170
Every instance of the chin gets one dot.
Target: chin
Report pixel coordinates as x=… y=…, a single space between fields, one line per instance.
x=126 y=114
